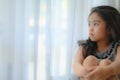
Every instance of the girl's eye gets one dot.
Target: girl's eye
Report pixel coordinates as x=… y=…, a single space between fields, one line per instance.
x=96 y=24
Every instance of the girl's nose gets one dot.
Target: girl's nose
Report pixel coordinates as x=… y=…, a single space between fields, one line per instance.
x=90 y=29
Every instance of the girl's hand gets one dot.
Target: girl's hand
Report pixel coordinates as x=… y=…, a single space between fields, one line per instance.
x=91 y=69
x=83 y=71
x=98 y=73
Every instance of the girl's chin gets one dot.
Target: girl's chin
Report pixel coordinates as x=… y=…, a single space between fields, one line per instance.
x=92 y=39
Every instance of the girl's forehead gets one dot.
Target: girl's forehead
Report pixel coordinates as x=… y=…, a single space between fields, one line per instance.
x=95 y=17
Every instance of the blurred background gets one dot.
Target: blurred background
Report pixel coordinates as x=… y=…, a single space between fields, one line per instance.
x=39 y=38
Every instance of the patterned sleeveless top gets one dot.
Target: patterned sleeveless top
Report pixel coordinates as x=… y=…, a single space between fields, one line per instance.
x=110 y=53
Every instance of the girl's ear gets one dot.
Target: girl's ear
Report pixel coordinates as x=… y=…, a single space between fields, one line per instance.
x=109 y=30
x=112 y=34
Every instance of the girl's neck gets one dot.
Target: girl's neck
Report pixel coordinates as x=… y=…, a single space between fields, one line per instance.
x=102 y=46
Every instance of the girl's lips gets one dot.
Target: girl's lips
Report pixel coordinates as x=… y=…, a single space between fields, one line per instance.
x=91 y=34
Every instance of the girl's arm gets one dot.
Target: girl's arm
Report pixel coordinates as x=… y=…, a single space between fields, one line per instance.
x=77 y=65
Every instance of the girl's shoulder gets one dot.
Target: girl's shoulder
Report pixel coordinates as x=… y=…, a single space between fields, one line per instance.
x=81 y=42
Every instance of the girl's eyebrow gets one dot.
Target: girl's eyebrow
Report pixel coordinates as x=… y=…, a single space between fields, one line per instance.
x=94 y=21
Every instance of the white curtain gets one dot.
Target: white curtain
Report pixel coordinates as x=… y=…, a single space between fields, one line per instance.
x=38 y=38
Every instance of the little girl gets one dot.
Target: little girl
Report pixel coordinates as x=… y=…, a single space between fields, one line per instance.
x=99 y=57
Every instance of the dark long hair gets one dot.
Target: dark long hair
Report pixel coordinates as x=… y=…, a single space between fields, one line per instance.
x=112 y=19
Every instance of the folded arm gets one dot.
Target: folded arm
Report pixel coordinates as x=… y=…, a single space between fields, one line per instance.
x=77 y=66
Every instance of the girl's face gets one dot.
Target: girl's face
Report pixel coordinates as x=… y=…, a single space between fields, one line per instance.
x=97 y=28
